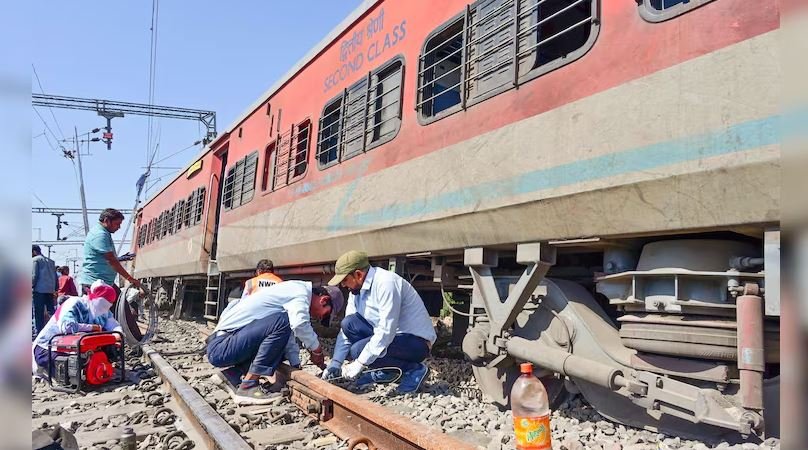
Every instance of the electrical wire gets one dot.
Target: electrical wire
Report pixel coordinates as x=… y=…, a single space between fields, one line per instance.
x=448 y=305
x=379 y=369
x=49 y=108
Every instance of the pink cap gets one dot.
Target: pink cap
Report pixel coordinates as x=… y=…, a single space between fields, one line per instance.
x=103 y=291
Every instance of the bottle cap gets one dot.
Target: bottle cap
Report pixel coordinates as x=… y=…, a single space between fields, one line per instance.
x=526 y=368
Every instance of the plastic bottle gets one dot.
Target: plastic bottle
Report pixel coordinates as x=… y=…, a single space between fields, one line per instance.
x=531 y=411
x=128 y=439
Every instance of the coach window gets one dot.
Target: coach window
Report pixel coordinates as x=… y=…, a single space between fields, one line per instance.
x=366 y=115
x=328 y=141
x=239 y=184
x=187 y=214
x=441 y=72
x=291 y=155
x=180 y=219
x=497 y=45
x=661 y=10
x=197 y=202
x=384 y=115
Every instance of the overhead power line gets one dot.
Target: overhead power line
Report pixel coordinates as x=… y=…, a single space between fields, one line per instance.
x=39 y=83
x=45 y=210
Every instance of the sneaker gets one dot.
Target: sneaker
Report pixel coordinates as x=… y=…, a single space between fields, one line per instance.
x=412 y=380
x=253 y=394
x=378 y=377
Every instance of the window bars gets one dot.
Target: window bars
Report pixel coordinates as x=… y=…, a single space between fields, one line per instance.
x=239 y=183
x=290 y=156
x=366 y=115
x=497 y=45
x=661 y=10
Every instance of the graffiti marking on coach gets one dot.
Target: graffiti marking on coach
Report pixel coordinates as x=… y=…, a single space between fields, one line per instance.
x=365 y=44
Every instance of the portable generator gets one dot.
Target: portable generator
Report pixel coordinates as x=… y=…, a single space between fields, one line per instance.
x=84 y=359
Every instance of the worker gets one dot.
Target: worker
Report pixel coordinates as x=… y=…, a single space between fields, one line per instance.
x=252 y=333
x=101 y=262
x=86 y=313
x=43 y=286
x=264 y=277
x=66 y=285
x=386 y=325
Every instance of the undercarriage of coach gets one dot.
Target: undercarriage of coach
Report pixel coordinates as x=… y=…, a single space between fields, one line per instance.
x=676 y=335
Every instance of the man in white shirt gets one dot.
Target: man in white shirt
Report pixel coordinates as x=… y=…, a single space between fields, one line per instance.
x=386 y=325
x=253 y=332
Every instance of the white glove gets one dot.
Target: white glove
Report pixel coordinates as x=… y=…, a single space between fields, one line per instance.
x=351 y=371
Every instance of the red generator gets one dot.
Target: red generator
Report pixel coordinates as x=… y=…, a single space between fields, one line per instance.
x=84 y=359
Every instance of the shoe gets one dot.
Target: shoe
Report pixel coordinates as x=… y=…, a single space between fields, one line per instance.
x=378 y=377
x=253 y=394
x=412 y=380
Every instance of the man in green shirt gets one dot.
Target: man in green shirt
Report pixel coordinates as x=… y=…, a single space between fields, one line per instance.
x=101 y=262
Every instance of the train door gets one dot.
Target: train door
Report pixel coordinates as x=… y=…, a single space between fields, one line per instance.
x=219 y=185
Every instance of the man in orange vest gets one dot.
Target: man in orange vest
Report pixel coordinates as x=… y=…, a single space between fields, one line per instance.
x=264 y=277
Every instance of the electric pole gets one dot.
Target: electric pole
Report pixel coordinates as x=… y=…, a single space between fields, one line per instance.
x=49 y=249
x=81 y=184
x=59 y=224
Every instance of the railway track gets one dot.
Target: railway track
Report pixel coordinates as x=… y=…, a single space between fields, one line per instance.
x=174 y=399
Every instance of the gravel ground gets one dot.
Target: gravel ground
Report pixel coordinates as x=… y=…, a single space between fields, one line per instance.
x=448 y=402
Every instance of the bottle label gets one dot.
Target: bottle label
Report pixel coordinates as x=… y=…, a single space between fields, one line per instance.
x=532 y=432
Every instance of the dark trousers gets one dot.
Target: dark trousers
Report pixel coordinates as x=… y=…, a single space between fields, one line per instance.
x=41 y=303
x=131 y=320
x=405 y=352
x=41 y=356
x=257 y=346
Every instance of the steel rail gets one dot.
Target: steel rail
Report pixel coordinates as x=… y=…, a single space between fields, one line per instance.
x=358 y=420
x=218 y=434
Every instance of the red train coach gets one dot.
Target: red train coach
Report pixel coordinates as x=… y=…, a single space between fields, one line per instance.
x=595 y=181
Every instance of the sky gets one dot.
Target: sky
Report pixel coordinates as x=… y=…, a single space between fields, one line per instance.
x=211 y=55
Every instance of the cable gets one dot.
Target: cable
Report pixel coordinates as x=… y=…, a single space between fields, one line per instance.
x=40 y=200
x=51 y=109
x=48 y=128
x=461 y=313
x=398 y=369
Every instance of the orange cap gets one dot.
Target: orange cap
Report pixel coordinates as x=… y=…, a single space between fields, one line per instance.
x=526 y=367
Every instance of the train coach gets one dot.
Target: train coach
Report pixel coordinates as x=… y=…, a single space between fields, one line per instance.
x=596 y=183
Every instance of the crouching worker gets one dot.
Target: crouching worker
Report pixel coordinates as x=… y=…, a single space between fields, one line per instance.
x=253 y=332
x=386 y=325
x=87 y=313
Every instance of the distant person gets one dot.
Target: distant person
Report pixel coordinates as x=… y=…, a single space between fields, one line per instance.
x=101 y=262
x=386 y=325
x=264 y=277
x=43 y=286
x=66 y=285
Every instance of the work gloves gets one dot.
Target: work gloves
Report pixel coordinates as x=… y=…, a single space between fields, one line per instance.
x=351 y=371
x=317 y=357
x=330 y=373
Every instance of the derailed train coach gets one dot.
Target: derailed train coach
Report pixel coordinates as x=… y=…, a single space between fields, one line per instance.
x=596 y=183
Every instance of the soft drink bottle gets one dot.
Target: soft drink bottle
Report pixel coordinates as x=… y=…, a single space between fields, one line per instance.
x=531 y=411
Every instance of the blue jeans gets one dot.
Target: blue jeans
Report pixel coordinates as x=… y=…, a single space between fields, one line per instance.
x=405 y=352
x=258 y=345
x=41 y=303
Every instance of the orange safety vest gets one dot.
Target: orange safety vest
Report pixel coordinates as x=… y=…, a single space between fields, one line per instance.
x=264 y=280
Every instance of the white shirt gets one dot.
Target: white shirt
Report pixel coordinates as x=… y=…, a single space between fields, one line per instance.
x=292 y=297
x=392 y=306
